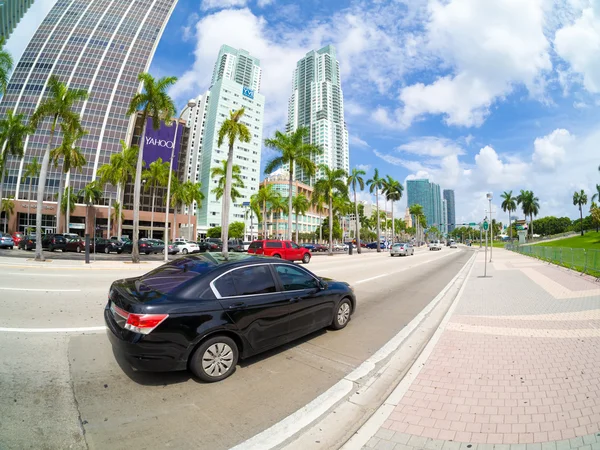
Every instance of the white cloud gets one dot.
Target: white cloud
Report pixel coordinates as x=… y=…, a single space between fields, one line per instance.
x=489 y=47
x=23 y=32
x=263 y=3
x=365 y=167
x=578 y=44
x=431 y=146
x=550 y=151
x=222 y=4
x=357 y=141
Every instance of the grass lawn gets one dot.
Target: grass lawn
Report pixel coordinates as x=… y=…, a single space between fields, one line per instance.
x=589 y=240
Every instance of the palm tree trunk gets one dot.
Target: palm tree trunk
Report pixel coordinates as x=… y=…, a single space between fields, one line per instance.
x=378 y=219
x=264 y=220
x=137 y=187
x=68 y=215
x=61 y=187
x=226 y=203
x=190 y=220
x=121 y=195
x=531 y=221
x=393 y=229
x=330 y=225
x=320 y=228
x=581 y=217
x=356 y=221
x=152 y=213
x=173 y=228
x=509 y=225
x=290 y=205
x=40 y=196
x=296 y=227
x=28 y=207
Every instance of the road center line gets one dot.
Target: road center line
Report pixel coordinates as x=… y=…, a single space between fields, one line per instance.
x=372 y=278
x=39 y=290
x=51 y=330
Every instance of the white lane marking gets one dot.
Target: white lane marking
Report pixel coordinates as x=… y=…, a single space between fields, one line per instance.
x=29 y=274
x=295 y=422
x=39 y=290
x=51 y=330
x=372 y=278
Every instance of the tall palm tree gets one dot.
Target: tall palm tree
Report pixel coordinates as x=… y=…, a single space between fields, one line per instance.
x=177 y=200
x=12 y=135
x=318 y=202
x=331 y=184
x=509 y=204
x=264 y=197
x=417 y=211
x=32 y=170
x=300 y=205
x=91 y=194
x=254 y=210
x=67 y=201
x=530 y=204
x=342 y=206
x=393 y=192
x=6 y=64
x=56 y=106
x=117 y=172
x=233 y=130
x=8 y=207
x=596 y=195
x=356 y=179
x=278 y=206
x=375 y=184
x=153 y=102
x=192 y=193
x=296 y=152
x=220 y=173
x=157 y=175
x=72 y=158
x=579 y=199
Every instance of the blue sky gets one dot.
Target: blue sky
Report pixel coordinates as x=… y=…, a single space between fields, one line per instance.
x=477 y=96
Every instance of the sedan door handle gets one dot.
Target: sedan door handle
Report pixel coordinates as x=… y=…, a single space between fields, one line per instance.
x=294 y=300
x=237 y=305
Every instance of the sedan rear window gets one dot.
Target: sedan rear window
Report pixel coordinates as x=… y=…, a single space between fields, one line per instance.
x=167 y=278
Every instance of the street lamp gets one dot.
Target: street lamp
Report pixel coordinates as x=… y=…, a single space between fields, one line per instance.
x=190 y=104
x=489 y=197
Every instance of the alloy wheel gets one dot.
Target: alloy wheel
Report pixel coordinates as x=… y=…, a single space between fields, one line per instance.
x=217 y=359
x=343 y=314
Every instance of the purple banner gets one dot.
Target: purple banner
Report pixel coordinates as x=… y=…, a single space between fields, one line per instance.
x=159 y=143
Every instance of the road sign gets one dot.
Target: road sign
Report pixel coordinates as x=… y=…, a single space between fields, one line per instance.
x=472 y=224
x=486 y=225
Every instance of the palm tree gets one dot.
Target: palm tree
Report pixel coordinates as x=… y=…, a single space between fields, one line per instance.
x=596 y=195
x=8 y=207
x=117 y=172
x=254 y=210
x=90 y=195
x=153 y=101
x=6 y=64
x=67 y=201
x=192 y=192
x=56 y=106
x=356 y=178
x=264 y=197
x=295 y=152
x=530 y=204
x=417 y=211
x=220 y=173
x=72 y=158
x=393 y=193
x=232 y=129
x=330 y=185
x=278 y=206
x=375 y=184
x=579 y=199
x=32 y=170
x=12 y=134
x=509 y=204
x=177 y=200
x=300 y=205
x=342 y=206
x=318 y=203
x=157 y=175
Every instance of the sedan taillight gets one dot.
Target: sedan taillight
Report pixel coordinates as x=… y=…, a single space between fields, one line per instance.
x=140 y=323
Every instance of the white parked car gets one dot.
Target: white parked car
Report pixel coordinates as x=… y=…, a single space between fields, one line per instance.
x=187 y=247
x=340 y=247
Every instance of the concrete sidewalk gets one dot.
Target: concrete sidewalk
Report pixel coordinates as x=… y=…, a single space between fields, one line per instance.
x=515 y=365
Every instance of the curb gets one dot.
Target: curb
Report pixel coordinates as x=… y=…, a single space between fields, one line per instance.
x=340 y=403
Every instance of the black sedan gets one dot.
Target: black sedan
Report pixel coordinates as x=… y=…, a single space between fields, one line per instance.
x=106 y=246
x=28 y=242
x=202 y=313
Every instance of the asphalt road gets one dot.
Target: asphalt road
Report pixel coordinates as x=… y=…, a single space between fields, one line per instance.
x=67 y=390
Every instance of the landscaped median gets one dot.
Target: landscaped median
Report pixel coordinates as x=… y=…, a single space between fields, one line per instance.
x=581 y=253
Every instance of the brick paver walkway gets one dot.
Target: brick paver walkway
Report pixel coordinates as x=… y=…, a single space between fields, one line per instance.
x=517 y=367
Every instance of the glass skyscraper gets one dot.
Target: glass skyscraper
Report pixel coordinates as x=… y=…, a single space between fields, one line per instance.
x=449 y=197
x=317 y=103
x=97 y=45
x=427 y=195
x=11 y=12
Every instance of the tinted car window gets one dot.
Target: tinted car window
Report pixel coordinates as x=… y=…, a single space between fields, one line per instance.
x=288 y=245
x=294 y=245
x=273 y=244
x=293 y=278
x=165 y=279
x=257 y=244
x=250 y=280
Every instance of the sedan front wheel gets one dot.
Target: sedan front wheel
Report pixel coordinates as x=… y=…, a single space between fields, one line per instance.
x=342 y=315
x=215 y=359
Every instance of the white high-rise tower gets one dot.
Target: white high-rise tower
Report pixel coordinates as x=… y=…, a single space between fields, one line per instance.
x=317 y=103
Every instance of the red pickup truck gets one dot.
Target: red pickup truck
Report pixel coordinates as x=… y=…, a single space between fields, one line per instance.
x=280 y=249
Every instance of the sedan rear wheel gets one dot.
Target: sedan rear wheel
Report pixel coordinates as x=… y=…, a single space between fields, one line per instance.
x=215 y=359
x=342 y=315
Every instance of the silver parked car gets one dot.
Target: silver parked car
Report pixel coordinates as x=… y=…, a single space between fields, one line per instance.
x=6 y=241
x=402 y=249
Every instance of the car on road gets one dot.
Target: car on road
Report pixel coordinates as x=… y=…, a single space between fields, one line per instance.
x=173 y=249
x=236 y=245
x=186 y=247
x=453 y=244
x=321 y=248
x=158 y=246
x=17 y=237
x=402 y=249
x=76 y=245
x=204 y=313
x=310 y=247
x=27 y=243
x=106 y=246
x=373 y=245
x=288 y=250
x=435 y=245
x=6 y=241
x=54 y=242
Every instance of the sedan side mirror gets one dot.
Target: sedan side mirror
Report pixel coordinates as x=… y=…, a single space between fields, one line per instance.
x=322 y=285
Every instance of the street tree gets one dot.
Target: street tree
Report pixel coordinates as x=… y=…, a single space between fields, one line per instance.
x=220 y=174
x=393 y=192
x=157 y=175
x=8 y=208
x=6 y=65
x=356 y=179
x=32 y=170
x=58 y=107
x=233 y=130
x=91 y=194
x=333 y=183
x=300 y=205
x=509 y=204
x=375 y=185
x=264 y=197
x=278 y=206
x=153 y=101
x=192 y=193
x=318 y=202
x=579 y=199
x=530 y=205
